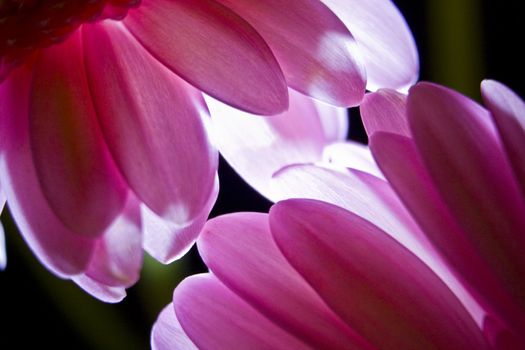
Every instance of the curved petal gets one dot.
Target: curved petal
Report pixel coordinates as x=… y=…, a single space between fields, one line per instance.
x=99 y=290
x=256 y=147
x=214 y=49
x=74 y=167
x=334 y=120
x=385 y=110
x=60 y=250
x=377 y=286
x=239 y=249
x=352 y=155
x=317 y=53
x=167 y=333
x=153 y=122
x=384 y=39
x=464 y=157
x=166 y=241
x=204 y=308
x=508 y=112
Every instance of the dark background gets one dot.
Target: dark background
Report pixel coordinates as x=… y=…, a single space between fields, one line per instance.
x=460 y=43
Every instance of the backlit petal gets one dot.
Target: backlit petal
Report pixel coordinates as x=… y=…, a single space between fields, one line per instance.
x=99 y=290
x=385 y=110
x=167 y=333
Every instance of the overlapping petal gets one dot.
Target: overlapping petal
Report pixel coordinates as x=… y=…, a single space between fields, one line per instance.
x=167 y=333
x=99 y=290
x=385 y=110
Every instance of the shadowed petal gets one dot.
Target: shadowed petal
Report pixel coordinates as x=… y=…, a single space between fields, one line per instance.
x=3 y=255
x=167 y=333
x=99 y=290
x=76 y=172
x=385 y=110
x=317 y=53
x=377 y=286
x=214 y=49
x=154 y=124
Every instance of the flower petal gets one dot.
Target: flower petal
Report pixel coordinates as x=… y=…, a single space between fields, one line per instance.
x=214 y=49
x=99 y=290
x=385 y=110
x=3 y=255
x=352 y=155
x=295 y=136
x=267 y=282
x=167 y=333
x=508 y=112
x=317 y=53
x=74 y=167
x=384 y=39
x=377 y=286
x=464 y=157
x=216 y=318
x=60 y=250
x=154 y=124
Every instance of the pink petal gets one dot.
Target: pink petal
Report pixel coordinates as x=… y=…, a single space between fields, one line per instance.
x=167 y=333
x=334 y=121
x=256 y=147
x=60 y=250
x=214 y=49
x=317 y=53
x=216 y=318
x=377 y=286
x=239 y=250
x=352 y=155
x=99 y=290
x=384 y=39
x=465 y=159
x=117 y=258
x=76 y=172
x=508 y=112
x=385 y=110
x=166 y=241
x=153 y=123
x=3 y=255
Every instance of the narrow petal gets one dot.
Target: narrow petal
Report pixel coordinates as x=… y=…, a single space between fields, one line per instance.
x=384 y=39
x=166 y=241
x=256 y=147
x=316 y=51
x=154 y=124
x=3 y=255
x=377 y=286
x=216 y=318
x=334 y=120
x=76 y=172
x=167 y=333
x=352 y=155
x=214 y=49
x=464 y=157
x=99 y=290
x=508 y=112
x=60 y=250
x=385 y=110
x=239 y=250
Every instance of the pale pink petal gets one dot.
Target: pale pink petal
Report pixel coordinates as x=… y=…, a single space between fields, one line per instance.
x=117 y=258
x=384 y=39
x=78 y=177
x=166 y=241
x=377 y=286
x=334 y=121
x=256 y=147
x=214 y=49
x=154 y=124
x=317 y=53
x=59 y=249
x=99 y=290
x=465 y=159
x=239 y=249
x=167 y=333
x=385 y=110
x=352 y=155
x=508 y=112
x=216 y=318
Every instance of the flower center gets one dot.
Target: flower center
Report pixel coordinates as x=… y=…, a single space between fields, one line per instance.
x=29 y=24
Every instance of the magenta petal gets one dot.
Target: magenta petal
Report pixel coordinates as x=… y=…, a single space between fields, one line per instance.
x=153 y=123
x=256 y=147
x=352 y=155
x=317 y=53
x=239 y=250
x=167 y=333
x=377 y=286
x=60 y=250
x=214 y=49
x=384 y=39
x=76 y=172
x=385 y=110
x=465 y=159
x=508 y=112
x=3 y=255
x=216 y=318
x=99 y=290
